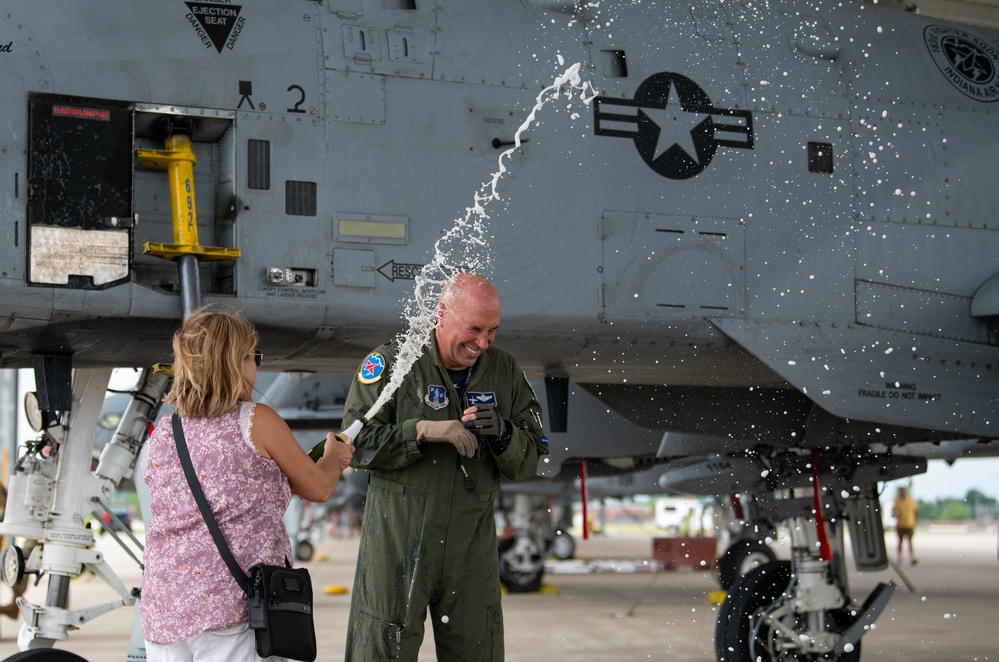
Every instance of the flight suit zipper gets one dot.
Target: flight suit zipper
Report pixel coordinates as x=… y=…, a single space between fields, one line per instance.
x=398 y=635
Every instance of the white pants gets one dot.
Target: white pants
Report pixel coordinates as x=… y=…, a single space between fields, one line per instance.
x=233 y=644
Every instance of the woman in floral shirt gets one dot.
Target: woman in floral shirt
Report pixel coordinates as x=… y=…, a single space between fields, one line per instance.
x=249 y=464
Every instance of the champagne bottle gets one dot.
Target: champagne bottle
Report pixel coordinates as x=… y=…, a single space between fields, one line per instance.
x=346 y=436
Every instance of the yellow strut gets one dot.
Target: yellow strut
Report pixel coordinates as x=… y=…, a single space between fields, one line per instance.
x=178 y=160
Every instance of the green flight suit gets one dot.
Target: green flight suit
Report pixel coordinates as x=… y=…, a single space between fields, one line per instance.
x=426 y=539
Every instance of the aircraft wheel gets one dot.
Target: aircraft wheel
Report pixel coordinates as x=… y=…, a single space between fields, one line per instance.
x=740 y=636
x=520 y=572
x=751 y=596
x=564 y=545
x=742 y=556
x=45 y=655
x=305 y=550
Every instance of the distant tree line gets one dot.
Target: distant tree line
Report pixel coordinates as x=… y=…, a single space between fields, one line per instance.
x=974 y=506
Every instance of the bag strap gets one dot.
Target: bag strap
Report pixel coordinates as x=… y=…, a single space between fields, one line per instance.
x=206 y=511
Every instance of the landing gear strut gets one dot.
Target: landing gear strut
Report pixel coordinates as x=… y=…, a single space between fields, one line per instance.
x=801 y=610
x=756 y=622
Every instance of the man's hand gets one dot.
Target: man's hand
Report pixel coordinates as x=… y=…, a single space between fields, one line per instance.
x=485 y=421
x=450 y=431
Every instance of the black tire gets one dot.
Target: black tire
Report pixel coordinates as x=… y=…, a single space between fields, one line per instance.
x=753 y=594
x=741 y=556
x=564 y=546
x=45 y=655
x=305 y=550
x=517 y=581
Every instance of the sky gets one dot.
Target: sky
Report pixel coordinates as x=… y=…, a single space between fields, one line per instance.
x=942 y=480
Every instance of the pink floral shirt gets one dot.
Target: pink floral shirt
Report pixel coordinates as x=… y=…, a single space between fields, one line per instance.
x=186 y=587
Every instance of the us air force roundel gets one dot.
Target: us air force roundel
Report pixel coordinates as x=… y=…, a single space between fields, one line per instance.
x=676 y=129
x=436 y=397
x=372 y=368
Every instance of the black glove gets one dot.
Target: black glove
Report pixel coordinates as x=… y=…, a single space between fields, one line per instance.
x=487 y=422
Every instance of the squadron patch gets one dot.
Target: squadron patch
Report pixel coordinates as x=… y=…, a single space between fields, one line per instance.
x=436 y=397
x=969 y=62
x=478 y=398
x=372 y=368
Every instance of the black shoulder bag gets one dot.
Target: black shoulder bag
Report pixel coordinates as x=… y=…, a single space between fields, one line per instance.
x=280 y=598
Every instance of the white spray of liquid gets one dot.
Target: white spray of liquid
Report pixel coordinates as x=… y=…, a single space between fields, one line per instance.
x=461 y=247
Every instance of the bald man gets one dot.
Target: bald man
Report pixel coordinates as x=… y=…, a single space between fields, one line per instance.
x=463 y=417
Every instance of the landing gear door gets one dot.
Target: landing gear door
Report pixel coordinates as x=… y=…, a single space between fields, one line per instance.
x=867 y=531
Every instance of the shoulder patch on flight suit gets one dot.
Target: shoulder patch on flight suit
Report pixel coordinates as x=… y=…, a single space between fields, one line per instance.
x=480 y=398
x=436 y=396
x=372 y=368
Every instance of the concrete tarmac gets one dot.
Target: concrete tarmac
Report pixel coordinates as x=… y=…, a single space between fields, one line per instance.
x=614 y=604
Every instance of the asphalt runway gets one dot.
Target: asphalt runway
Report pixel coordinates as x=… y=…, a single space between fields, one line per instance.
x=613 y=604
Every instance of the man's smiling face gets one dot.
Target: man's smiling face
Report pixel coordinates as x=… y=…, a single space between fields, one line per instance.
x=469 y=318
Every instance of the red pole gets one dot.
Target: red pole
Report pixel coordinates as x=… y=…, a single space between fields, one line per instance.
x=733 y=499
x=582 y=496
x=825 y=553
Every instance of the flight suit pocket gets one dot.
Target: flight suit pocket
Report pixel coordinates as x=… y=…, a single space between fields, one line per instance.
x=471 y=633
x=391 y=547
x=493 y=650
x=375 y=638
x=496 y=633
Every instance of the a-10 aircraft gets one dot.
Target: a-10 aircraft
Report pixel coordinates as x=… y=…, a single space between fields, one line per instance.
x=767 y=229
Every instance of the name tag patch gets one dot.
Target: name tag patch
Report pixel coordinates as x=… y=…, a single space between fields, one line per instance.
x=481 y=398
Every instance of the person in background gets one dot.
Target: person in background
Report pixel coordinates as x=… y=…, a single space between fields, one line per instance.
x=249 y=464
x=428 y=538
x=906 y=514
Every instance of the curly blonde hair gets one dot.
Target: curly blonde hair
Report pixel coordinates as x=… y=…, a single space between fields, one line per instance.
x=209 y=350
